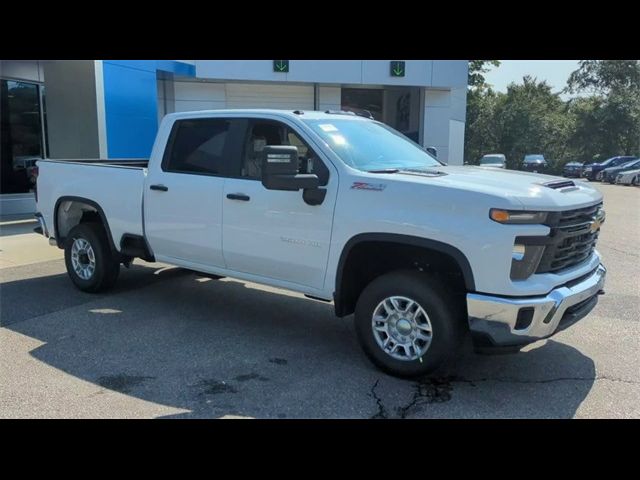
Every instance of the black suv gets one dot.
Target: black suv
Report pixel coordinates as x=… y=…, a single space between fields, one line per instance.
x=534 y=163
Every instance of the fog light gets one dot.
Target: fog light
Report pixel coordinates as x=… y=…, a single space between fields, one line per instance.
x=525 y=259
x=525 y=316
x=518 y=252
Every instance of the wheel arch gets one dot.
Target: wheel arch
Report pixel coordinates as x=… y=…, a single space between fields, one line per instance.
x=343 y=297
x=60 y=231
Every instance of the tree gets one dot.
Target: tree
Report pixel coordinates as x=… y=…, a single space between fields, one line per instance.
x=480 y=99
x=477 y=69
x=605 y=76
x=612 y=126
x=529 y=118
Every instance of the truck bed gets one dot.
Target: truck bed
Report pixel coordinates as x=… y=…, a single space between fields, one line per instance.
x=116 y=186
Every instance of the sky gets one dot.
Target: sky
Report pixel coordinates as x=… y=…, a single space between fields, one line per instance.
x=555 y=72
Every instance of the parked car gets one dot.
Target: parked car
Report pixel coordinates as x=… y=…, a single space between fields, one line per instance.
x=629 y=177
x=610 y=174
x=534 y=163
x=496 y=160
x=339 y=208
x=591 y=171
x=572 y=169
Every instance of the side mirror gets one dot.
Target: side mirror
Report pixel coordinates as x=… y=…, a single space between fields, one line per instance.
x=280 y=166
x=432 y=150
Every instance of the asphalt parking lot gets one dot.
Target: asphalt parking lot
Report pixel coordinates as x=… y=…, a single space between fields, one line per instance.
x=170 y=343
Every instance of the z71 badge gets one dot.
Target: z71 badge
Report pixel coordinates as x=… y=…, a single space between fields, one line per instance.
x=368 y=186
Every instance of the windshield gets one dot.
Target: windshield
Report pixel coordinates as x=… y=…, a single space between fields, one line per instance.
x=369 y=145
x=492 y=159
x=533 y=158
x=627 y=164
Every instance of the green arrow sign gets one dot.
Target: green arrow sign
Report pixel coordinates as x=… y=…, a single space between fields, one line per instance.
x=397 y=69
x=281 y=66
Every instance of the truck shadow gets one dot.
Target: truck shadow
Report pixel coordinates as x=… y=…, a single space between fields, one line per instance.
x=219 y=347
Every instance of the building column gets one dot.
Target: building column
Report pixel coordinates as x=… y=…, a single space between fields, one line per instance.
x=443 y=123
x=73 y=113
x=329 y=98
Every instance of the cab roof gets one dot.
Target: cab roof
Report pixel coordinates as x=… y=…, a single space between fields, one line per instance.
x=299 y=114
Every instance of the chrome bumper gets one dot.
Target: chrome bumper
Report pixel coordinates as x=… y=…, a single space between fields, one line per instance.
x=494 y=321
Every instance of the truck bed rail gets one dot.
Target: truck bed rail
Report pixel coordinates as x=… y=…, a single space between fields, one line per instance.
x=120 y=162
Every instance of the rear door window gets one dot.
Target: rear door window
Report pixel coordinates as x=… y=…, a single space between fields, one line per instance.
x=205 y=146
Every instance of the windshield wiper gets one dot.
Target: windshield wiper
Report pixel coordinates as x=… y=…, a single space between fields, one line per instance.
x=385 y=170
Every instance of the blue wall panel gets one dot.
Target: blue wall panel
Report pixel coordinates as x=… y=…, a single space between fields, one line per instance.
x=131 y=104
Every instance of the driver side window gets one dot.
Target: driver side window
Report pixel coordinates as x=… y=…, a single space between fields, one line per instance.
x=267 y=132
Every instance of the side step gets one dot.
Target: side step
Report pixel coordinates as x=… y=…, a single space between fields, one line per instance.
x=317 y=298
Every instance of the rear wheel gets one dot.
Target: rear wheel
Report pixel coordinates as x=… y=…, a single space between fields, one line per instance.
x=88 y=258
x=408 y=324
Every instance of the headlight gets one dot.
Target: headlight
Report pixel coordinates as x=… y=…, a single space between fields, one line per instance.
x=517 y=217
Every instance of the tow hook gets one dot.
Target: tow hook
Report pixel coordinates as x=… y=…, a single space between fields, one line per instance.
x=601 y=291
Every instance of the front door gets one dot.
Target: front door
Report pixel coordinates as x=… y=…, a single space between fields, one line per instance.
x=183 y=195
x=275 y=234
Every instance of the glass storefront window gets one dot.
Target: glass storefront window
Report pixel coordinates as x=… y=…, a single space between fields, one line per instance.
x=361 y=100
x=21 y=135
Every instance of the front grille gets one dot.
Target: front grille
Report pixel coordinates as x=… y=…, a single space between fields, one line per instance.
x=571 y=240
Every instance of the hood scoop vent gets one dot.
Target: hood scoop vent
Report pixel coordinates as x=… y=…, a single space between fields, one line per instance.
x=558 y=184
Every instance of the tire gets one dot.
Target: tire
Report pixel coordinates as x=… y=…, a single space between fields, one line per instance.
x=105 y=269
x=635 y=181
x=443 y=312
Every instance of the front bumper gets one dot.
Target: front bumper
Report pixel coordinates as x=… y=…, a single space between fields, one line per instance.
x=494 y=320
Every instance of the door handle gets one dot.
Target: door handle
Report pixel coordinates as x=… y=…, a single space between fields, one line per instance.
x=238 y=196
x=161 y=188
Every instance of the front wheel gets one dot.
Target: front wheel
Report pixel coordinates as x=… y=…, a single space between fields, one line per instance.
x=408 y=324
x=88 y=258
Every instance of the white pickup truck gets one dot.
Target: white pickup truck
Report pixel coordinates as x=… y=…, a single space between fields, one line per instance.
x=345 y=209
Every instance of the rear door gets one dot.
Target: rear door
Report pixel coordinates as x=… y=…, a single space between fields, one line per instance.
x=183 y=197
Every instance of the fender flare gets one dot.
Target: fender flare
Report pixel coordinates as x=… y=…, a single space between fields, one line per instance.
x=445 y=248
x=93 y=204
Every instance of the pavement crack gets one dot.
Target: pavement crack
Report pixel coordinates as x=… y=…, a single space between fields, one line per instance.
x=382 y=411
x=439 y=389
x=426 y=391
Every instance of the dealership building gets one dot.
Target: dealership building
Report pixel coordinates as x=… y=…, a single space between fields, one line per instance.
x=112 y=108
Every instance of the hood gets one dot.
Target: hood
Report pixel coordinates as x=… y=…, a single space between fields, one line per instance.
x=522 y=189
